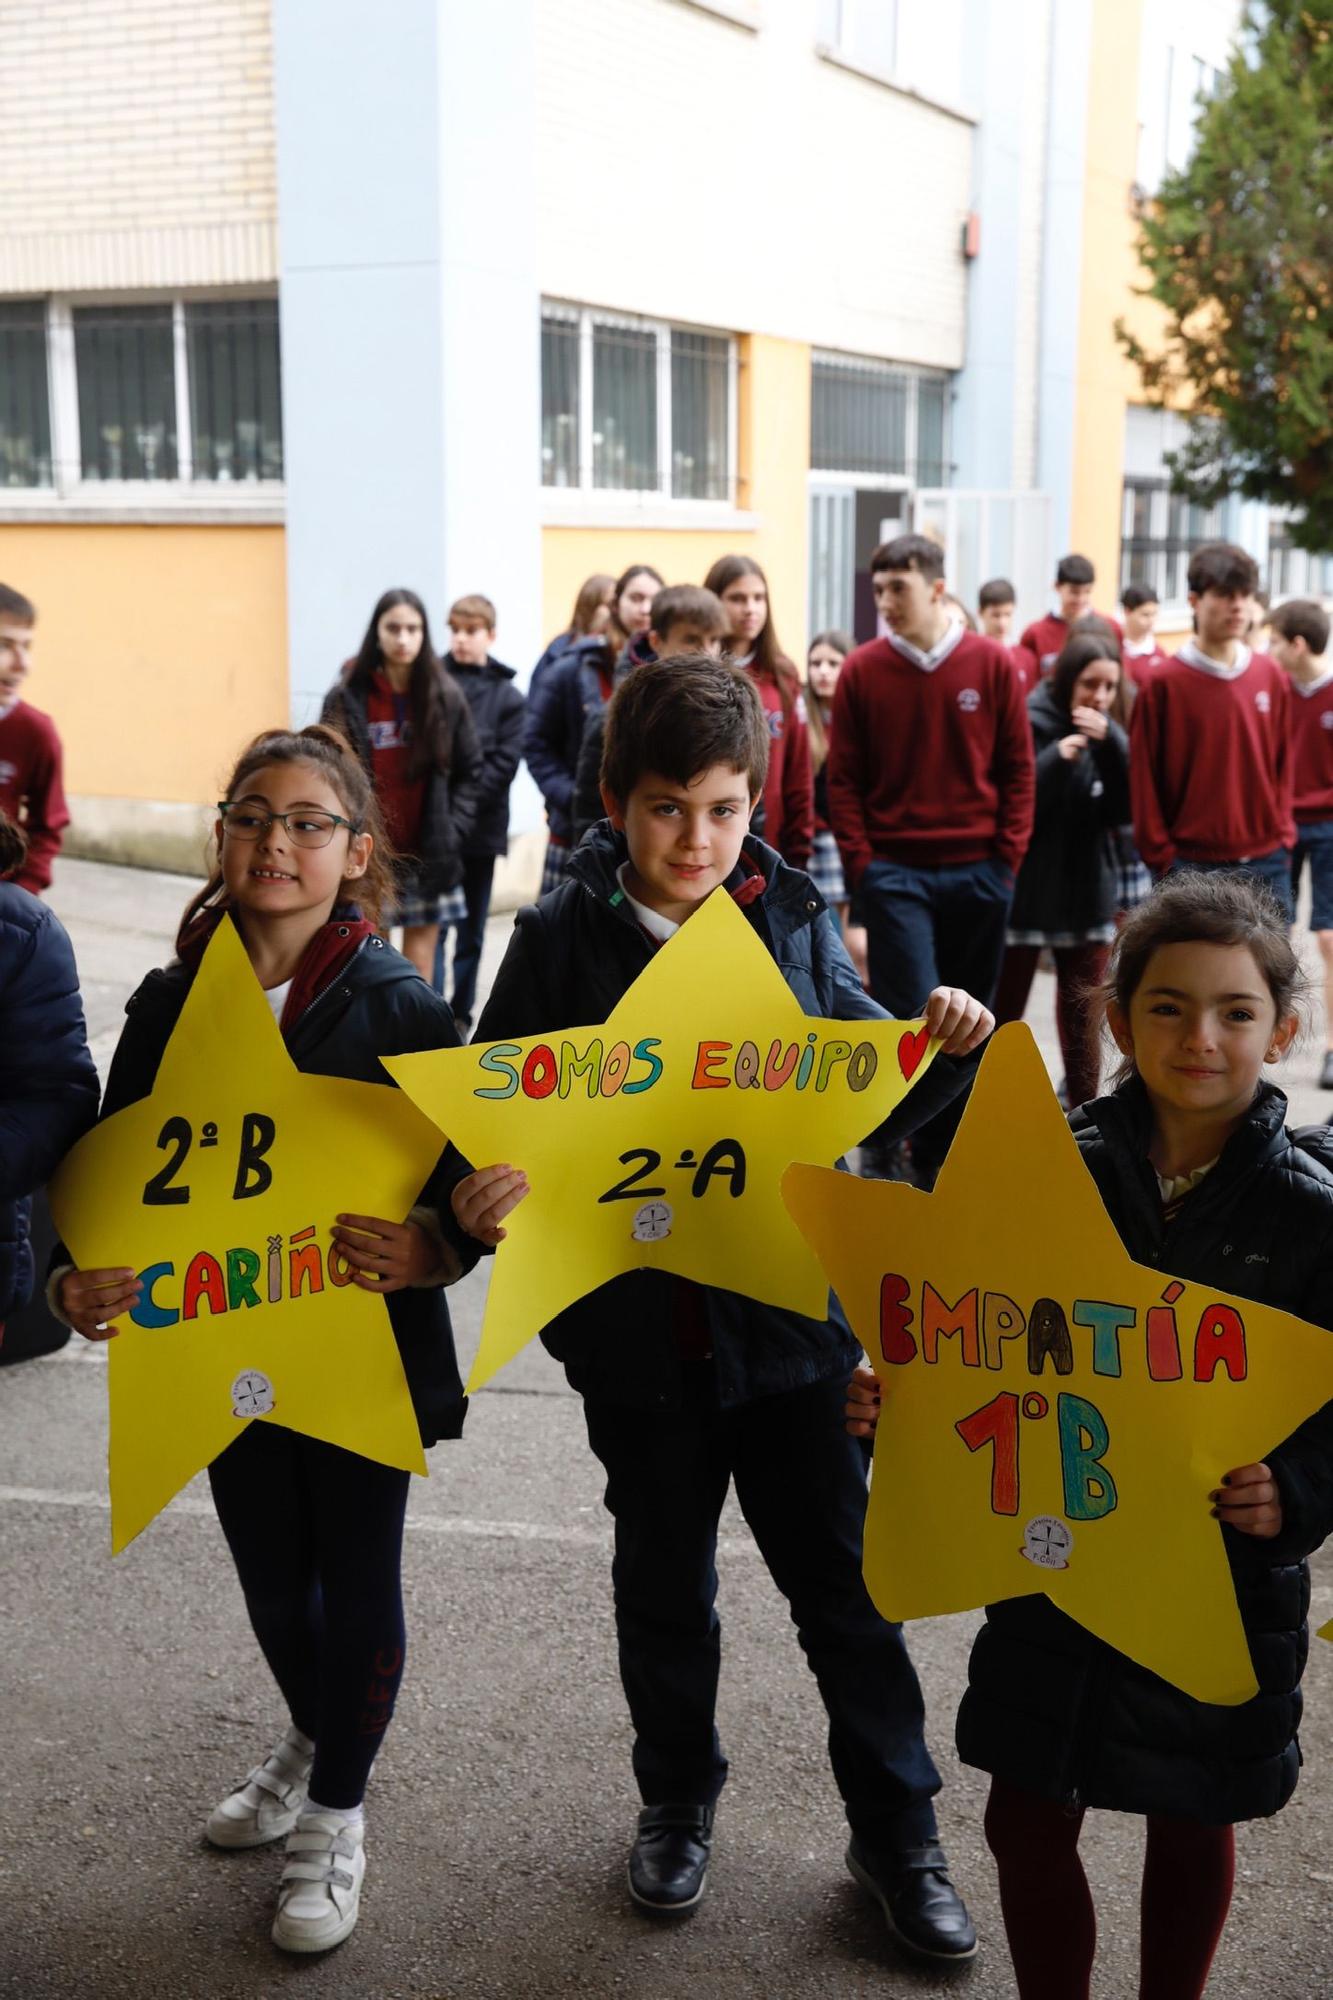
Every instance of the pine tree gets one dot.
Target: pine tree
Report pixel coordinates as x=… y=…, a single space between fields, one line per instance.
x=1238 y=247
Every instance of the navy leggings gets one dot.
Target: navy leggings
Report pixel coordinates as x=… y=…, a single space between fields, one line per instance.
x=316 y=1533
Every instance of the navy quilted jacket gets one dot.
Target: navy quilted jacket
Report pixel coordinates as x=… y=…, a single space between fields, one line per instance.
x=1060 y=1713
x=48 y=1086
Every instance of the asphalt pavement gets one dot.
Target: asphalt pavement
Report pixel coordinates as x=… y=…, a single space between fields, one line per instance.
x=501 y=1809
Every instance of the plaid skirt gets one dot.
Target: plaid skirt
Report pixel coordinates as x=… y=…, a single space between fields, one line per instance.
x=554 y=866
x=825 y=869
x=1133 y=881
x=411 y=907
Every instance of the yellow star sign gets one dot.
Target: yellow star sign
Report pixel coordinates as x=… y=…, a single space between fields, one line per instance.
x=220 y=1190
x=657 y=1139
x=1054 y=1415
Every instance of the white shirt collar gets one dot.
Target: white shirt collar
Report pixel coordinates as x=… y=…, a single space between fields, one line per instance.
x=1139 y=649
x=1306 y=688
x=1194 y=656
x=8 y=707
x=938 y=653
x=656 y=925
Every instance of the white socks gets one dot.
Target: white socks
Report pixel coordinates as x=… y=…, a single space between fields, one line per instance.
x=350 y=1815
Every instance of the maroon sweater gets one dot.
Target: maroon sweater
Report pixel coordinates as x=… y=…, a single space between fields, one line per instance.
x=1044 y=640
x=1210 y=763
x=789 y=788
x=32 y=792
x=930 y=766
x=1312 y=751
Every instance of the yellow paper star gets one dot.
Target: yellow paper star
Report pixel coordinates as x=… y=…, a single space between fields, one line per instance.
x=220 y=1190
x=657 y=1139
x=1054 y=1414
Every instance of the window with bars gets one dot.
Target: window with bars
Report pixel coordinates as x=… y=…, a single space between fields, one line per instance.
x=636 y=406
x=235 y=389
x=1158 y=532
x=1294 y=572
x=124 y=357
x=25 y=397
x=873 y=418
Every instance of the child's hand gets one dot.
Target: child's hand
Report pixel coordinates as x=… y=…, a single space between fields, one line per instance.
x=1248 y=1499
x=484 y=1199
x=388 y=1256
x=90 y=1300
x=956 y=1020
x=862 y=1411
x=1071 y=748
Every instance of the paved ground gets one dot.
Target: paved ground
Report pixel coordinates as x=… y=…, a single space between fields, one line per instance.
x=133 y=1697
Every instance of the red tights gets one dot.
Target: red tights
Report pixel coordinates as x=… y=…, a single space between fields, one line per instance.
x=1077 y=967
x=1188 y=1870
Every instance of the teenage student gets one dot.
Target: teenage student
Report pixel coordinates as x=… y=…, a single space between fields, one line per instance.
x=1065 y=897
x=1140 y=650
x=315 y=1531
x=1299 y=640
x=496 y=708
x=570 y=693
x=823 y=664
x=930 y=788
x=411 y=728
x=32 y=790
x=686 y=618
x=788 y=821
x=687 y=1387
x=1042 y=640
x=588 y=620
x=1202 y=1180
x=1210 y=740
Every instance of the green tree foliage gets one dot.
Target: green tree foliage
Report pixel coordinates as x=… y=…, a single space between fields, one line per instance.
x=1238 y=248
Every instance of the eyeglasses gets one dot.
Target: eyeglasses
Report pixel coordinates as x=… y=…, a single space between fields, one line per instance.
x=304 y=829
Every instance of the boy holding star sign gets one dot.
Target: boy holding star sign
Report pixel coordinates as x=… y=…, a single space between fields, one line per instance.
x=687 y=1387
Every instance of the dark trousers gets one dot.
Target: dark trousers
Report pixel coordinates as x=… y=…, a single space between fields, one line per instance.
x=316 y=1533
x=1079 y=970
x=801 y=1484
x=1273 y=870
x=928 y=927
x=469 y=936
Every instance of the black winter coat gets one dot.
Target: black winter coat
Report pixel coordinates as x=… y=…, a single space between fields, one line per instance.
x=1057 y=1711
x=569 y=961
x=496 y=708
x=559 y=706
x=378 y=1005
x=1067 y=883
x=48 y=1085
x=451 y=796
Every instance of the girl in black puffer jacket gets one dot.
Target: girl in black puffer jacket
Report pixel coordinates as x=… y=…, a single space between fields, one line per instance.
x=1201 y=1179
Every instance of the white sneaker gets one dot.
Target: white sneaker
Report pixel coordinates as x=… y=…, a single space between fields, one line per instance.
x=320 y=1896
x=267 y=1805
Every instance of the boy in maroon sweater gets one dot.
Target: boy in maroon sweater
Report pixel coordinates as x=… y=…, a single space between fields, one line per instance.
x=31 y=787
x=1139 y=648
x=930 y=789
x=1300 y=632
x=1043 y=640
x=1210 y=749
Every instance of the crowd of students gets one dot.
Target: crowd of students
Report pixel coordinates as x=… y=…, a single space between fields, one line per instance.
x=960 y=804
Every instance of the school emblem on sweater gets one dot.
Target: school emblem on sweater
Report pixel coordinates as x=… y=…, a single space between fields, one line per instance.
x=220 y=1190
x=657 y=1139
x=1064 y=1411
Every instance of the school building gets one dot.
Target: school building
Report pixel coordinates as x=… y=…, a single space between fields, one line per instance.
x=299 y=300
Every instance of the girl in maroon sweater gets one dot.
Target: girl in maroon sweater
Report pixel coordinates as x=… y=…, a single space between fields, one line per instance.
x=789 y=796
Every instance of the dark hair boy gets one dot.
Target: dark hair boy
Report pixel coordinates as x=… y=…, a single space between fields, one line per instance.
x=1140 y=650
x=1300 y=630
x=1044 y=639
x=32 y=791
x=930 y=787
x=1210 y=751
x=687 y=1387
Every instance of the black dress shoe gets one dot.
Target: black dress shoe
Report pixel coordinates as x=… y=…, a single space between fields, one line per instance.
x=668 y=1863
x=925 y=1912
x=1326 y=1073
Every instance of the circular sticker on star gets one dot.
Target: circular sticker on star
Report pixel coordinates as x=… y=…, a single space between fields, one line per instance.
x=251 y=1394
x=652 y=1222
x=1047 y=1542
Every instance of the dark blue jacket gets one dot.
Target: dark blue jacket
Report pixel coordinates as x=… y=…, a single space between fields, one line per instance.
x=496 y=708
x=1053 y=1709
x=559 y=706
x=48 y=1085
x=570 y=960
x=377 y=1006
x=1067 y=883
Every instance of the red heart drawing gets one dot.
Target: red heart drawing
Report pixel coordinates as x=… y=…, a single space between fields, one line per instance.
x=911 y=1049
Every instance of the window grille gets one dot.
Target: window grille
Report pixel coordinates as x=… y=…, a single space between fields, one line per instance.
x=25 y=400
x=125 y=360
x=235 y=389
x=873 y=418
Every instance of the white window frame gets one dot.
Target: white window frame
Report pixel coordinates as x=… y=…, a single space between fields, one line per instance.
x=892 y=482
x=72 y=497
x=587 y=505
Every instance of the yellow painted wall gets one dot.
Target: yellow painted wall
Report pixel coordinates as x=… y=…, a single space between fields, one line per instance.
x=160 y=649
x=773 y=447
x=1106 y=381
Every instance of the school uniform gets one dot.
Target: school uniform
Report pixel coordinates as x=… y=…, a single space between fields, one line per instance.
x=787 y=801
x=930 y=788
x=1312 y=794
x=573 y=689
x=32 y=791
x=687 y=1387
x=1046 y=638
x=496 y=707
x=1142 y=658
x=1210 y=767
x=1056 y=1712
